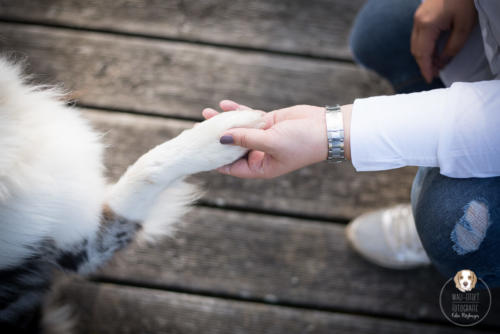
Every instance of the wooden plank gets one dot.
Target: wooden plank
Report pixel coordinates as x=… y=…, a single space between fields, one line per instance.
x=276 y=259
x=173 y=78
x=108 y=308
x=321 y=190
x=319 y=27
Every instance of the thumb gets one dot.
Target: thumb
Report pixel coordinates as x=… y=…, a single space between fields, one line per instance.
x=253 y=139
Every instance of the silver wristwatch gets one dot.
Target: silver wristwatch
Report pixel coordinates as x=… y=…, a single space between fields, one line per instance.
x=335 y=132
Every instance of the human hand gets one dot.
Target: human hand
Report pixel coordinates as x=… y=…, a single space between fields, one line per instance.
x=431 y=19
x=292 y=138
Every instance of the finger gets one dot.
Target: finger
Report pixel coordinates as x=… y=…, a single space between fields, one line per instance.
x=209 y=113
x=250 y=167
x=228 y=105
x=269 y=119
x=413 y=40
x=457 y=40
x=254 y=139
x=425 y=44
x=239 y=168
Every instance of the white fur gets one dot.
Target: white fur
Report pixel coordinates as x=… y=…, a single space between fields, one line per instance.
x=167 y=209
x=51 y=173
x=194 y=150
x=51 y=182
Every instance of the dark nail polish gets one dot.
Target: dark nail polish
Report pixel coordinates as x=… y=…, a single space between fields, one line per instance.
x=226 y=140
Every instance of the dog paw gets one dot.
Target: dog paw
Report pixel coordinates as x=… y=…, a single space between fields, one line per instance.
x=201 y=144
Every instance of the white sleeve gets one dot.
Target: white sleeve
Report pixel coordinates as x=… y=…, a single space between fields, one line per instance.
x=456 y=129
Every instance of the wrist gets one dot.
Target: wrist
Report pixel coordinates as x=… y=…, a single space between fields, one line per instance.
x=320 y=136
x=315 y=136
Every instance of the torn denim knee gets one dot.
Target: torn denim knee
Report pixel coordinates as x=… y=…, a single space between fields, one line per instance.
x=471 y=229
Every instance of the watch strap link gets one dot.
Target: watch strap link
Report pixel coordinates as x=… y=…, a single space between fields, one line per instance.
x=335 y=133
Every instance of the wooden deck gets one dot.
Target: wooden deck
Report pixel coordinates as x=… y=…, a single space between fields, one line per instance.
x=252 y=256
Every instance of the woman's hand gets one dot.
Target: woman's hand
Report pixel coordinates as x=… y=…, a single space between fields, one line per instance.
x=292 y=138
x=431 y=19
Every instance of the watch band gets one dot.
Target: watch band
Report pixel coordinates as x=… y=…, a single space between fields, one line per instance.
x=335 y=133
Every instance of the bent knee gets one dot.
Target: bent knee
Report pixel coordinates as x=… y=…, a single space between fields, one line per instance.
x=470 y=230
x=458 y=224
x=382 y=29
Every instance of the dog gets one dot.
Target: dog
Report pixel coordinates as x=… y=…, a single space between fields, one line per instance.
x=465 y=280
x=57 y=211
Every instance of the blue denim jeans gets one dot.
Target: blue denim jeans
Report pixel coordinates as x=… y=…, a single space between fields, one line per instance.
x=380 y=41
x=458 y=220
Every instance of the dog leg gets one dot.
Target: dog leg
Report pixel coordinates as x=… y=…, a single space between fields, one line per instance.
x=152 y=195
x=194 y=150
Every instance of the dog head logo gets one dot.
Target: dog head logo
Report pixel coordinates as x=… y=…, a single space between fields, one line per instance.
x=465 y=280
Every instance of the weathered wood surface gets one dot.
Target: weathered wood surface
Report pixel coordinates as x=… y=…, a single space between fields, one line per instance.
x=172 y=78
x=108 y=308
x=276 y=259
x=324 y=190
x=318 y=27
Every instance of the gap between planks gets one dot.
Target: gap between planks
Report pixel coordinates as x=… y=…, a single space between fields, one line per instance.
x=299 y=55
x=275 y=213
x=281 y=303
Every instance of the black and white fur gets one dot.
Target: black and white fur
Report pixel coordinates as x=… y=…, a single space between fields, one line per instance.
x=56 y=209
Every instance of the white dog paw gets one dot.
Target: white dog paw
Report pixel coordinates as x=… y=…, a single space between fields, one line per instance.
x=201 y=144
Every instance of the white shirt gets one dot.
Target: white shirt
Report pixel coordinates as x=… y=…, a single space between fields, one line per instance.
x=455 y=128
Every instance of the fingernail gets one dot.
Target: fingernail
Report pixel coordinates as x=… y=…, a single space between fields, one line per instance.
x=226 y=139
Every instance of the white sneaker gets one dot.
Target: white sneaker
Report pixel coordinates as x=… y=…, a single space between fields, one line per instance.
x=388 y=237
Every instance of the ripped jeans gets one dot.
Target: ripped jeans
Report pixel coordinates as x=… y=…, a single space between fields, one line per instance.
x=458 y=220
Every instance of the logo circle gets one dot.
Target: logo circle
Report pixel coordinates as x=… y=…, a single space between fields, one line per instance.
x=465 y=309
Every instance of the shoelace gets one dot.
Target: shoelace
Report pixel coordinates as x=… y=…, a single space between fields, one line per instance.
x=401 y=234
